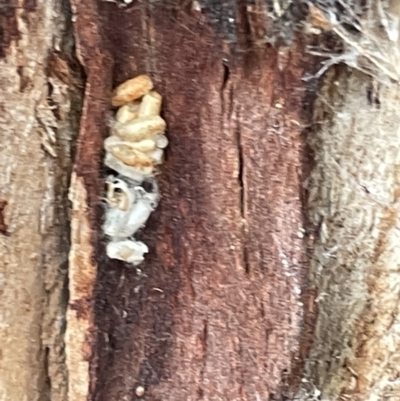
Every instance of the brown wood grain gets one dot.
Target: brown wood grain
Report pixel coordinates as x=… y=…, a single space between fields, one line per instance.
x=215 y=311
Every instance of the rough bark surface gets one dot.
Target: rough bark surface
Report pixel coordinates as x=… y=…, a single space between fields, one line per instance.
x=221 y=309
x=354 y=203
x=215 y=312
x=354 y=200
x=38 y=121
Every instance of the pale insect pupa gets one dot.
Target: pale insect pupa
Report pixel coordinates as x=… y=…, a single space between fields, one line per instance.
x=131 y=90
x=150 y=105
x=141 y=128
x=120 y=223
x=128 y=112
x=129 y=251
x=134 y=148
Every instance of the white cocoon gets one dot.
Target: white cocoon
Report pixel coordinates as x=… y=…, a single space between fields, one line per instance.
x=129 y=251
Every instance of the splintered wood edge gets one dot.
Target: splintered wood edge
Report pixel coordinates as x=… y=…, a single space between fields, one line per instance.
x=82 y=275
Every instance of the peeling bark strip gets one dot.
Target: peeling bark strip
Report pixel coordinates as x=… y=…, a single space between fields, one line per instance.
x=85 y=189
x=215 y=312
x=82 y=274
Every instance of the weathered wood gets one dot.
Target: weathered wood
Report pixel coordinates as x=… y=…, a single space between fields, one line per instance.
x=222 y=308
x=39 y=113
x=353 y=203
x=215 y=312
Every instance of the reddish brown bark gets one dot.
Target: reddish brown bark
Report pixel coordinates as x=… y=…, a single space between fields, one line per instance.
x=216 y=312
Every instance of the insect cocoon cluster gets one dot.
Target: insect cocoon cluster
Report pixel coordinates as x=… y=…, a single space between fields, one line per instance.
x=136 y=145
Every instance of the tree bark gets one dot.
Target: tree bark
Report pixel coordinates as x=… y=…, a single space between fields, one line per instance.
x=272 y=270
x=40 y=107
x=216 y=311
